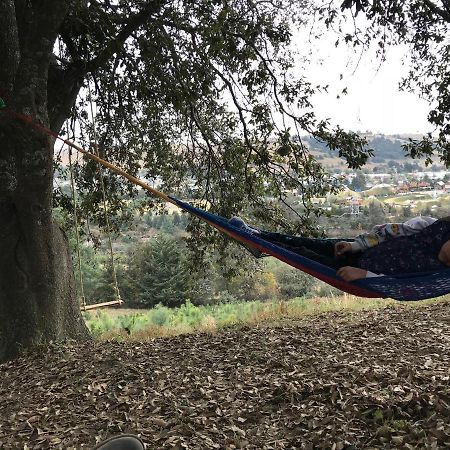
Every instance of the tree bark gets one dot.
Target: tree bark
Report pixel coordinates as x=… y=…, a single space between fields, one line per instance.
x=37 y=301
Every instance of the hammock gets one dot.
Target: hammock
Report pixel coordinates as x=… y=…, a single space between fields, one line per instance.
x=404 y=287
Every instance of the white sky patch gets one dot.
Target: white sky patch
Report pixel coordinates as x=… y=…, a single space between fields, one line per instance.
x=374 y=101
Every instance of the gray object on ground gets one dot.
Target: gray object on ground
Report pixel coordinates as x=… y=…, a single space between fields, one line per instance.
x=123 y=442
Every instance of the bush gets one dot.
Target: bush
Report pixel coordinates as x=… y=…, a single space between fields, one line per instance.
x=293 y=282
x=321 y=289
x=101 y=323
x=225 y=297
x=131 y=323
x=265 y=286
x=188 y=314
x=160 y=315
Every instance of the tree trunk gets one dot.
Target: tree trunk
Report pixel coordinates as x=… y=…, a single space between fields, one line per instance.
x=37 y=300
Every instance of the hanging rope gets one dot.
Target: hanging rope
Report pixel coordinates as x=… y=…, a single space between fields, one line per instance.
x=77 y=233
x=43 y=129
x=105 y=205
x=75 y=210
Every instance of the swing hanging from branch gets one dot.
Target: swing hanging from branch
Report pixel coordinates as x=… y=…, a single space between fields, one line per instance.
x=118 y=299
x=84 y=305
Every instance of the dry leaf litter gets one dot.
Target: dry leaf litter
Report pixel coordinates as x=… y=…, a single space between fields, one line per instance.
x=370 y=379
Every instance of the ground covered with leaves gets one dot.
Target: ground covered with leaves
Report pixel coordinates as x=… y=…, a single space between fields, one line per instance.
x=368 y=379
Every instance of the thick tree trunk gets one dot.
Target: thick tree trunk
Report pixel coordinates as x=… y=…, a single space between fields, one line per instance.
x=37 y=302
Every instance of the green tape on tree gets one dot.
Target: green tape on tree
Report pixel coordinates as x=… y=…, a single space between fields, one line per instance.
x=2 y=103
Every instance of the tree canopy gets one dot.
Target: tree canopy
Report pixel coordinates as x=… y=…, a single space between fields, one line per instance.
x=202 y=92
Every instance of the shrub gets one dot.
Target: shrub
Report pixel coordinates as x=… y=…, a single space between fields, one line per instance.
x=321 y=289
x=293 y=283
x=188 y=314
x=225 y=297
x=101 y=323
x=131 y=323
x=160 y=315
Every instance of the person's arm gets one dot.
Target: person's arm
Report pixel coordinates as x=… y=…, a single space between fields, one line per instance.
x=381 y=233
x=349 y=273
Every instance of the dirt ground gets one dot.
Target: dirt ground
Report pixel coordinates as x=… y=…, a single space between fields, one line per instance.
x=371 y=379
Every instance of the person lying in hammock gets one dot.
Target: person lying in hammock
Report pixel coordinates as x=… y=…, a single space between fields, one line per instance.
x=419 y=245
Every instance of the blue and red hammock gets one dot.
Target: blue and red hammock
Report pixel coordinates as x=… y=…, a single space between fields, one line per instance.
x=413 y=286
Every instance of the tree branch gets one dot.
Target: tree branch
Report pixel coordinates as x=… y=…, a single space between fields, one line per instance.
x=436 y=10
x=116 y=44
x=62 y=89
x=64 y=84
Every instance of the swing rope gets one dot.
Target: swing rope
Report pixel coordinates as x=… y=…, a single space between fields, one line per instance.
x=77 y=232
x=105 y=205
x=43 y=129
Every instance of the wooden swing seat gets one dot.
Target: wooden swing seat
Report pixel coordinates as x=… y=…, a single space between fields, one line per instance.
x=102 y=305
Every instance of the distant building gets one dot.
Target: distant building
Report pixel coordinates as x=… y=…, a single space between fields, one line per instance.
x=424 y=185
x=354 y=204
x=414 y=186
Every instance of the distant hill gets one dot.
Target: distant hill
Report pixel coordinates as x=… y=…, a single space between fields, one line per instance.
x=380 y=189
x=387 y=150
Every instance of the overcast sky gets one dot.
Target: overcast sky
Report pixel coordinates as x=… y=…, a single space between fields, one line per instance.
x=374 y=102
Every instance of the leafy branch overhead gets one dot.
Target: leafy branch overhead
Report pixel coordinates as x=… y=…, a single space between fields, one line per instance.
x=201 y=91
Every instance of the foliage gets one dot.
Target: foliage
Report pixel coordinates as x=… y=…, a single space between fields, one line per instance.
x=105 y=286
x=375 y=213
x=292 y=282
x=265 y=286
x=358 y=183
x=188 y=317
x=186 y=93
x=264 y=279
x=157 y=274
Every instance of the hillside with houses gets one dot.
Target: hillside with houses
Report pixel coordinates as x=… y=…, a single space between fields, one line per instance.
x=391 y=179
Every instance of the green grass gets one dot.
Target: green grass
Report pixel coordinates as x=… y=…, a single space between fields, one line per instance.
x=126 y=324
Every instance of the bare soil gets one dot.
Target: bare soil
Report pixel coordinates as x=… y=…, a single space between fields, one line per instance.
x=374 y=379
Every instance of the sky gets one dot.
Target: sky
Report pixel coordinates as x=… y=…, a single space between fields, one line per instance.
x=374 y=101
